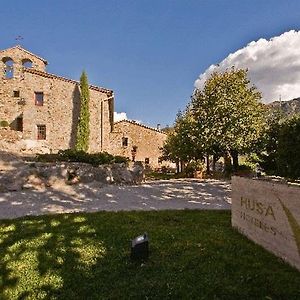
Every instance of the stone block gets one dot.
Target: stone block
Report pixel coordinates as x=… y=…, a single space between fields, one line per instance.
x=269 y=214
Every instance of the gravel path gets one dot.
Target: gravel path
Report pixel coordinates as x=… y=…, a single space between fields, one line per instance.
x=155 y=195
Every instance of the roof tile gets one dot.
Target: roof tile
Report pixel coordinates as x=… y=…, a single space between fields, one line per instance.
x=49 y=75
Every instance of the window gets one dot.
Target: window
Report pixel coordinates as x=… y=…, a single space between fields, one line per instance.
x=16 y=94
x=27 y=63
x=41 y=132
x=133 y=152
x=124 y=141
x=147 y=160
x=39 y=98
x=9 y=67
x=19 y=124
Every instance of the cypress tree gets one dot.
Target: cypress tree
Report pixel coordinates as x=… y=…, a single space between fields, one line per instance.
x=83 y=130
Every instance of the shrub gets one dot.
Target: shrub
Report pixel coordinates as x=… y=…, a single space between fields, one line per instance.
x=120 y=159
x=47 y=157
x=281 y=154
x=4 y=124
x=244 y=170
x=288 y=153
x=193 y=166
x=71 y=155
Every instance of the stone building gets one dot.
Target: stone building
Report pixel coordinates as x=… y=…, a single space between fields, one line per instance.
x=137 y=142
x=45 y=107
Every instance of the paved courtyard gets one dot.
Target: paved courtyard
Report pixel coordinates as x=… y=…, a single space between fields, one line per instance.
x=155 y=195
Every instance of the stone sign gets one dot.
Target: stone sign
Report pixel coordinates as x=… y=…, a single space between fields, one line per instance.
x=269 y=214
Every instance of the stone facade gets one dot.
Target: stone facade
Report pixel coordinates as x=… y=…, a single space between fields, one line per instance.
x=44 y=108
x=59 y=110
x=268 y=213
x=137 y=142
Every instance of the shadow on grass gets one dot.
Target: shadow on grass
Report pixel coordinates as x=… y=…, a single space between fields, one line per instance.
x=193 y=254
x=49 y=256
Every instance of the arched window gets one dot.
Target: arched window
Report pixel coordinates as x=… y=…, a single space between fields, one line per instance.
x=9 y=67
x=26 y=63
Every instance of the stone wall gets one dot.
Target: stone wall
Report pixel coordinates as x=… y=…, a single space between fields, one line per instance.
x=60 y=113
x=269 y=214
x=15 y=175
x=147 y=141
x=19 y=55
x=60 y=110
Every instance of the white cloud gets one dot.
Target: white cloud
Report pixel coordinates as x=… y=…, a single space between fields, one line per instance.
x=274 y=66
x=119 y=116
x=123 y=116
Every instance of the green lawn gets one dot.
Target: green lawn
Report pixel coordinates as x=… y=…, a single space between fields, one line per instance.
x=193 y=255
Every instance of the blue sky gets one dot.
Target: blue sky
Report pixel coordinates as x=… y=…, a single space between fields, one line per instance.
x=149 y=52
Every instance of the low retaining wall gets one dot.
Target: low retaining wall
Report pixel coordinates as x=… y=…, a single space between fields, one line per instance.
x=269 y=214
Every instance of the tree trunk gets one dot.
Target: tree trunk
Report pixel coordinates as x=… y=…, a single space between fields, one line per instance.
x=214 y=163
x=181 y=166
x=177 y=167
x=227 y=164
x=207 y=165
x=235 y=160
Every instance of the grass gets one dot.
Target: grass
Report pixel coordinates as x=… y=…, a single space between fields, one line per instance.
x=193 y=254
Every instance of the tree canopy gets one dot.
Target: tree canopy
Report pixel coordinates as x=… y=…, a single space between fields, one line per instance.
x=289 y=148
x=228 y=113
x=281 y=151
x=226 y=116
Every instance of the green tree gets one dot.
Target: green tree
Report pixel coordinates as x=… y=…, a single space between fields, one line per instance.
x=288 y=153
x=281 y=146
x=180 y=144
x=228 y=117
x=83 y=130
x=267 y=153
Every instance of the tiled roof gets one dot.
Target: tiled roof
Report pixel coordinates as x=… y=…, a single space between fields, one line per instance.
x=48 y=75
x=28 y=52
x=138 y=124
